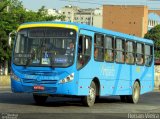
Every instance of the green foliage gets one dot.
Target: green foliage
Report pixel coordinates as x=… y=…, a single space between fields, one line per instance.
x=5 y=50
x=154 y=34
x=12 y=14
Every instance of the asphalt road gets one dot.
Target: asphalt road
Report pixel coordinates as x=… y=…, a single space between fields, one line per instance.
x=22 y=106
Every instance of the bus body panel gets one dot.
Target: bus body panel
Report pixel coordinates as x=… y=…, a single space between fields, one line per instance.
x=50 y=82
x=114 y=78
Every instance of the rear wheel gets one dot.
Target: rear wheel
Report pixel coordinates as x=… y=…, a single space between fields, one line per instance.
x=135 y=94
x=90 y=99
x=39 y=99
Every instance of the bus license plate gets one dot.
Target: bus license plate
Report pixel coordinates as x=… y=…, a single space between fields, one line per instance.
x=38 y=87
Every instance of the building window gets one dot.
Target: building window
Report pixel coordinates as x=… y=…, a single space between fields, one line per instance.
x=109 y=49
x=98 y=47
x=140 y=54
x=119 y=53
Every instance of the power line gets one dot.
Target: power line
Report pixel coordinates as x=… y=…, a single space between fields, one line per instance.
x=152 y=4
x=78 y=1
x=101 y=2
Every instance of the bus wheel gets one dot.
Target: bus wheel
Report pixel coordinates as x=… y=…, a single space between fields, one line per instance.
x=39 y=99
x=135 y=94
x=90 y=99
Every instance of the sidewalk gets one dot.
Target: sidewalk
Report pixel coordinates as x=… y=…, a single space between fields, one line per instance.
x=5 y=81
x=156 y=90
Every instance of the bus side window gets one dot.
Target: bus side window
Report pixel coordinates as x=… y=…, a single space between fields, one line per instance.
x=84 y=50
x=98 y=47
x=148 y=55
x=140 y=54
x=109 y=52
x=119 y=54
x=129 y=52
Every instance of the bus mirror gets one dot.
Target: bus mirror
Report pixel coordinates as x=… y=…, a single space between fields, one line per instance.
x=10 y=37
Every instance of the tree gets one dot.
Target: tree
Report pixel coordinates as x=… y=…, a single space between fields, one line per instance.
x=154 y=34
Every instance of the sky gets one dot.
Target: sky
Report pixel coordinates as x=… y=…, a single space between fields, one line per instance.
x=57 y=4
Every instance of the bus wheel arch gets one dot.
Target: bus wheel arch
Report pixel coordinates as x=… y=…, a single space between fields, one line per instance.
x=90 y=99
x=138 y=82
x=136 y=88
x=97 y=83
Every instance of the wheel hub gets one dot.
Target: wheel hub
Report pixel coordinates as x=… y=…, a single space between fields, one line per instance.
x=91 y=94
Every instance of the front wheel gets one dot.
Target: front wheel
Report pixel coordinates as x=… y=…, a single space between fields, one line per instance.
x=89 y=100
x=135 y=94
x=39 y=99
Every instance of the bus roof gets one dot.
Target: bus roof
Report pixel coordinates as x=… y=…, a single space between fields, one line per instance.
x=77 y=26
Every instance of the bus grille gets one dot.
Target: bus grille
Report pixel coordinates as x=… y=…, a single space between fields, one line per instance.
x=40 y=82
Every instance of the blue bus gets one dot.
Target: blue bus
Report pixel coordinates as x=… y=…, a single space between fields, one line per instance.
x=71 y=59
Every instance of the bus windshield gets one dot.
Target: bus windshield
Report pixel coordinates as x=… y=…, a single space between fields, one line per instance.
x=45 y=47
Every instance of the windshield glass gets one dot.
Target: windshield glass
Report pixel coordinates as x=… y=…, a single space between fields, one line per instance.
x=45 y=47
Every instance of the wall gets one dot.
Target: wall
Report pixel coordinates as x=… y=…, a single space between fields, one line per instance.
x=129 y=19
x=97 y=21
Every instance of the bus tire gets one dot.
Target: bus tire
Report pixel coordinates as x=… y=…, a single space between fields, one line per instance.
x=135 y=93
x=89 y=100
x=39 y=99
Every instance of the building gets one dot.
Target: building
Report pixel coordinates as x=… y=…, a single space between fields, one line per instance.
x=69 y=12
x=129 y=19
x=98 y=17
x=84 y=16
x=153 y=18
x=53 y=12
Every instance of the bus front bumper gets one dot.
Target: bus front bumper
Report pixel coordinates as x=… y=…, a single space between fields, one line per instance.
x=49 y=89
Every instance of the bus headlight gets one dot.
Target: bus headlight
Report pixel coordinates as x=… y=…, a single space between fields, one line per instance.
x=67 y=79
x=14 y=77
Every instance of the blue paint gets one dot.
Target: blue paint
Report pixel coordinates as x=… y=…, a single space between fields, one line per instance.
x=117 y=79
x=114 y=78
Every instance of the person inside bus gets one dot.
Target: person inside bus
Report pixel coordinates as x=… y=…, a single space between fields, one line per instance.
x=95 y=53
x=119 y=56
x=70 y=49
x=108 y=55
x=129 y=58
x=139 y=59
